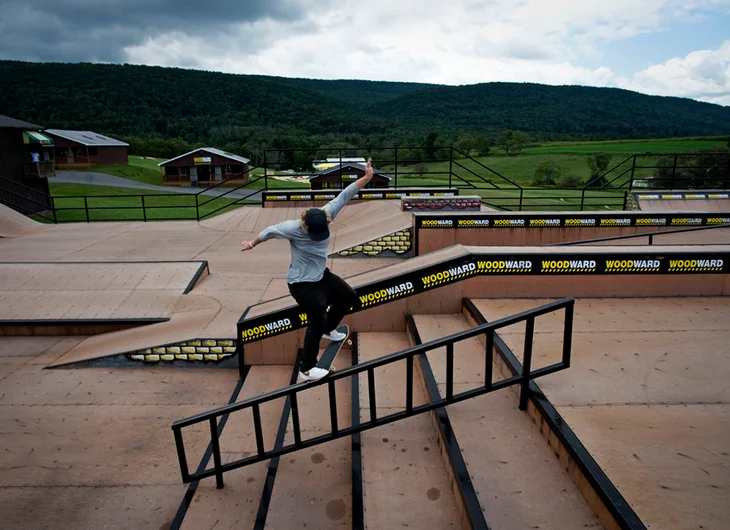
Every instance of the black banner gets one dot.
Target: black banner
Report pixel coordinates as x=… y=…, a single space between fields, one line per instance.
x=458 y=269
x=366 y=194
x=680 y=196
x=582 y=219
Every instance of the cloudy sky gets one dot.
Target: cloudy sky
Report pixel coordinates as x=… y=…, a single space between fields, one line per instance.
x=662 y=47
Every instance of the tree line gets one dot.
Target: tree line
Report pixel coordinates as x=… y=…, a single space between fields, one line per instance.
x=166 y=110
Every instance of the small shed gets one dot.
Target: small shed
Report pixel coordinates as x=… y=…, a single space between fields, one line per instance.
x=340 y=176
x=74 y=149
x=25 y=163
x=206 y=166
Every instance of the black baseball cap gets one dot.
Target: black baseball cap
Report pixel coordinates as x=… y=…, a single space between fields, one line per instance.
x=316 y=221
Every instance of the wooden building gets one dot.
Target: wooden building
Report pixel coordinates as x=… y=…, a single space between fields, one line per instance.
x=340 y=176
x=26 y=161
x=77 y=149
x=205 y=167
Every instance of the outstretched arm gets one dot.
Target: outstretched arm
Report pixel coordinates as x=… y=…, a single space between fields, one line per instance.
x=367 y=177
x=283 y=230
x=339 y=202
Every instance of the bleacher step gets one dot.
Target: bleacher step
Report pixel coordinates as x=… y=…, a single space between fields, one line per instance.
x=518 y=480
x=236 y=505
x=313 y=487
x=405 y=481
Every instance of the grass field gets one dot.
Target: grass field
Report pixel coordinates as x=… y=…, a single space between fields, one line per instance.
x=628 y=147
x=123 y=204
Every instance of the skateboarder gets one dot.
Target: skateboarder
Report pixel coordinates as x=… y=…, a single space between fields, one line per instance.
x=310 y=281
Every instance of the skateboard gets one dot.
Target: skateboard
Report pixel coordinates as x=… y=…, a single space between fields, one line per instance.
x=326 y=362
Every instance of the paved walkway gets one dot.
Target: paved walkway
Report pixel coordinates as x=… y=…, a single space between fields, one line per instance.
x=104 y=179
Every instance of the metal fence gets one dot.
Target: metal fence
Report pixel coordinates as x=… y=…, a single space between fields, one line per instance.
x=436 y=166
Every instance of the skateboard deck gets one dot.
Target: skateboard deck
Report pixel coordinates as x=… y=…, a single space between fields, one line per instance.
x=333 y=348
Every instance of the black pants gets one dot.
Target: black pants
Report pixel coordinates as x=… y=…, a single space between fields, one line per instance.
x=314 y=297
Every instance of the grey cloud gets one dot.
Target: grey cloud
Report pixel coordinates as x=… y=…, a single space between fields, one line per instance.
x=98 y=30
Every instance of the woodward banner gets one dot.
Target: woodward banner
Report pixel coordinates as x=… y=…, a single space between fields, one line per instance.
x=446 y=221
x=427 y=278
x=366 y=194
x=680 y=196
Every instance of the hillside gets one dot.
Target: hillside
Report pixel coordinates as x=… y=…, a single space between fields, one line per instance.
x=244 y=113
x=556 y=110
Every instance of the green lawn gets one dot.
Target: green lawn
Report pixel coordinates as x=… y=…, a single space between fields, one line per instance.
x=628 y=147
x=141 y=169
x=124 y=204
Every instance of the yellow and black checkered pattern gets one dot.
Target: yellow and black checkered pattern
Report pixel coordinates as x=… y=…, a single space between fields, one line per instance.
x=569 y=270
x=397 y=242
x=211 y=350
x=694 y=269
x=631 y=269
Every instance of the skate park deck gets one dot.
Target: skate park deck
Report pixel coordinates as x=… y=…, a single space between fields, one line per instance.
x=79 y=437
x=703 y=201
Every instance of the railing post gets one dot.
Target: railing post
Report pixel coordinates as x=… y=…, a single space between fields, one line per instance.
x=86 y=209
x=633 y=171
x=409 y=384
x=266 y=174
x=522 y=193
x=371 y=395
x=197 y=208
x=216 y=453
x=568 y=333
x=674 y=172
x=295 y=419
x=182 y=459
x=144 y=210
x=489 y=359
x=451 y=164
x=582 y=199
x=449 y=372
x=333 y=406
x=527 y=362
x=395 y=162
x=53 y=209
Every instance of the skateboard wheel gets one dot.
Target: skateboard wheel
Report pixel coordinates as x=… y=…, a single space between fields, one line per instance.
x=349 y=342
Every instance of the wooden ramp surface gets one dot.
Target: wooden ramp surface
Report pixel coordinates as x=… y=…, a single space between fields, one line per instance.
x=15 y=224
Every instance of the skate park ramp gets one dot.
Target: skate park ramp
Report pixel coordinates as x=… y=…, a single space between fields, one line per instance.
x=15 y=224
x=357 y=226
x=710 y=201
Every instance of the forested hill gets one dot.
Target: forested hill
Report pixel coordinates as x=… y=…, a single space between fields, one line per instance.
x=263 y=111
x=563 y=110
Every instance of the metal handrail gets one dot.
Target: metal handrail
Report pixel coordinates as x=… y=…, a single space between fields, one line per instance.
x=650 y=235
x=291 y=392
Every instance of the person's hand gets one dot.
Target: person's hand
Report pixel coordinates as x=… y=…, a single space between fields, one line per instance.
x=247 y=245
x=369 y=169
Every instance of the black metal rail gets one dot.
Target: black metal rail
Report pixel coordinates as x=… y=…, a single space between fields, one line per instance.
x=650 y=235
x=337 y=431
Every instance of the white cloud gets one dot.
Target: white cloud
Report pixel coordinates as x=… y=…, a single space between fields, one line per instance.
x=702 y=74
x=462 y=42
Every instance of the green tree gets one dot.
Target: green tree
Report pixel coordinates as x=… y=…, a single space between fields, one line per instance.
x=513 y=141
x=547 y=173
x=598 y=164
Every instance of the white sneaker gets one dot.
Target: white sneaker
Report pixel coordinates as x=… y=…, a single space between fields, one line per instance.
x=313 y=374
x=334 y=335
